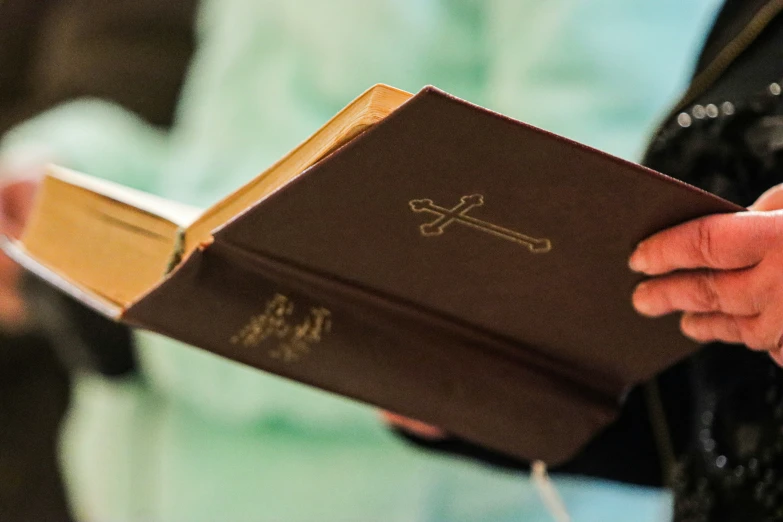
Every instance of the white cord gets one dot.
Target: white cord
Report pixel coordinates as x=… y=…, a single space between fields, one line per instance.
x=548 y=493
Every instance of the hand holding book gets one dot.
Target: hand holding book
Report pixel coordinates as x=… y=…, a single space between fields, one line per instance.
x=723 y=272
x=731 y=290
x=420 y=254
x=16 y=198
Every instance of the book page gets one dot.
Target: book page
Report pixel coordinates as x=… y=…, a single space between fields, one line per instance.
x=175 y=212
x=368 y=109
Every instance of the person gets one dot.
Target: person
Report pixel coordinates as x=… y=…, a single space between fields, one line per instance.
x=715 y=433
x=191 y=437
x=52 y=51
x=720 y=272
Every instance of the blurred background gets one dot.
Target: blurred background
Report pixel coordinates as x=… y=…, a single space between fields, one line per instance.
x=189 y=99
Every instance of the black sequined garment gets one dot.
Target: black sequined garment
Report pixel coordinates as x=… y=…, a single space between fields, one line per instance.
x=733 y=470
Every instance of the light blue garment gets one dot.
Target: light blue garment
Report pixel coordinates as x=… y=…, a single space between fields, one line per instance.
x=196 y=438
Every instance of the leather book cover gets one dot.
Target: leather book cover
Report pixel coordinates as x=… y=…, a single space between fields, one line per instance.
x=449 y=264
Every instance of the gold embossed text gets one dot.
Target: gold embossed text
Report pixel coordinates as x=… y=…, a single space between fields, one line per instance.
x=290 y=339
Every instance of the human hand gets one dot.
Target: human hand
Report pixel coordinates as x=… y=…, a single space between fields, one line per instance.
x=16 y=197
x=412 y=426
x=725 y=272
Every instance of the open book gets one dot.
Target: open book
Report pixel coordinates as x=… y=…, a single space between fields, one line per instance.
x=418 y=253
x=117 y=242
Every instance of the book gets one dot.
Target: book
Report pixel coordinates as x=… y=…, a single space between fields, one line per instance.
x=418 y=253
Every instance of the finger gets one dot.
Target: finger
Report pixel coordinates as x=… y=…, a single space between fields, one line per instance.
x=777 y=356
x=13 y=312
x=727 y=291
x=725 y=241
x=413 y=426
x=772 y=199
x=705 y=328
x=16 y=200
x=761 y=333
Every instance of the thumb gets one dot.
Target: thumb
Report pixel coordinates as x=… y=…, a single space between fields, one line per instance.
x=16 y=200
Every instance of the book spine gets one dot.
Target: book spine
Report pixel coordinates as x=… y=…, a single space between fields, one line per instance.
x=290 y=322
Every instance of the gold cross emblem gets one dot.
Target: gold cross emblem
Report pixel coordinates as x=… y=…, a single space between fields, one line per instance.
x=459 y=214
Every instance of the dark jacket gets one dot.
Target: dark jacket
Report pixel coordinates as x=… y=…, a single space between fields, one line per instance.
x=132 y=52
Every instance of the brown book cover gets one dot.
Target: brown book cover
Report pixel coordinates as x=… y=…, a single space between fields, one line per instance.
x=448 y=264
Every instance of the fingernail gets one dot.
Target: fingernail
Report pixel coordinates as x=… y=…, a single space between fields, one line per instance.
x=641 y=300
x=637 y=262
